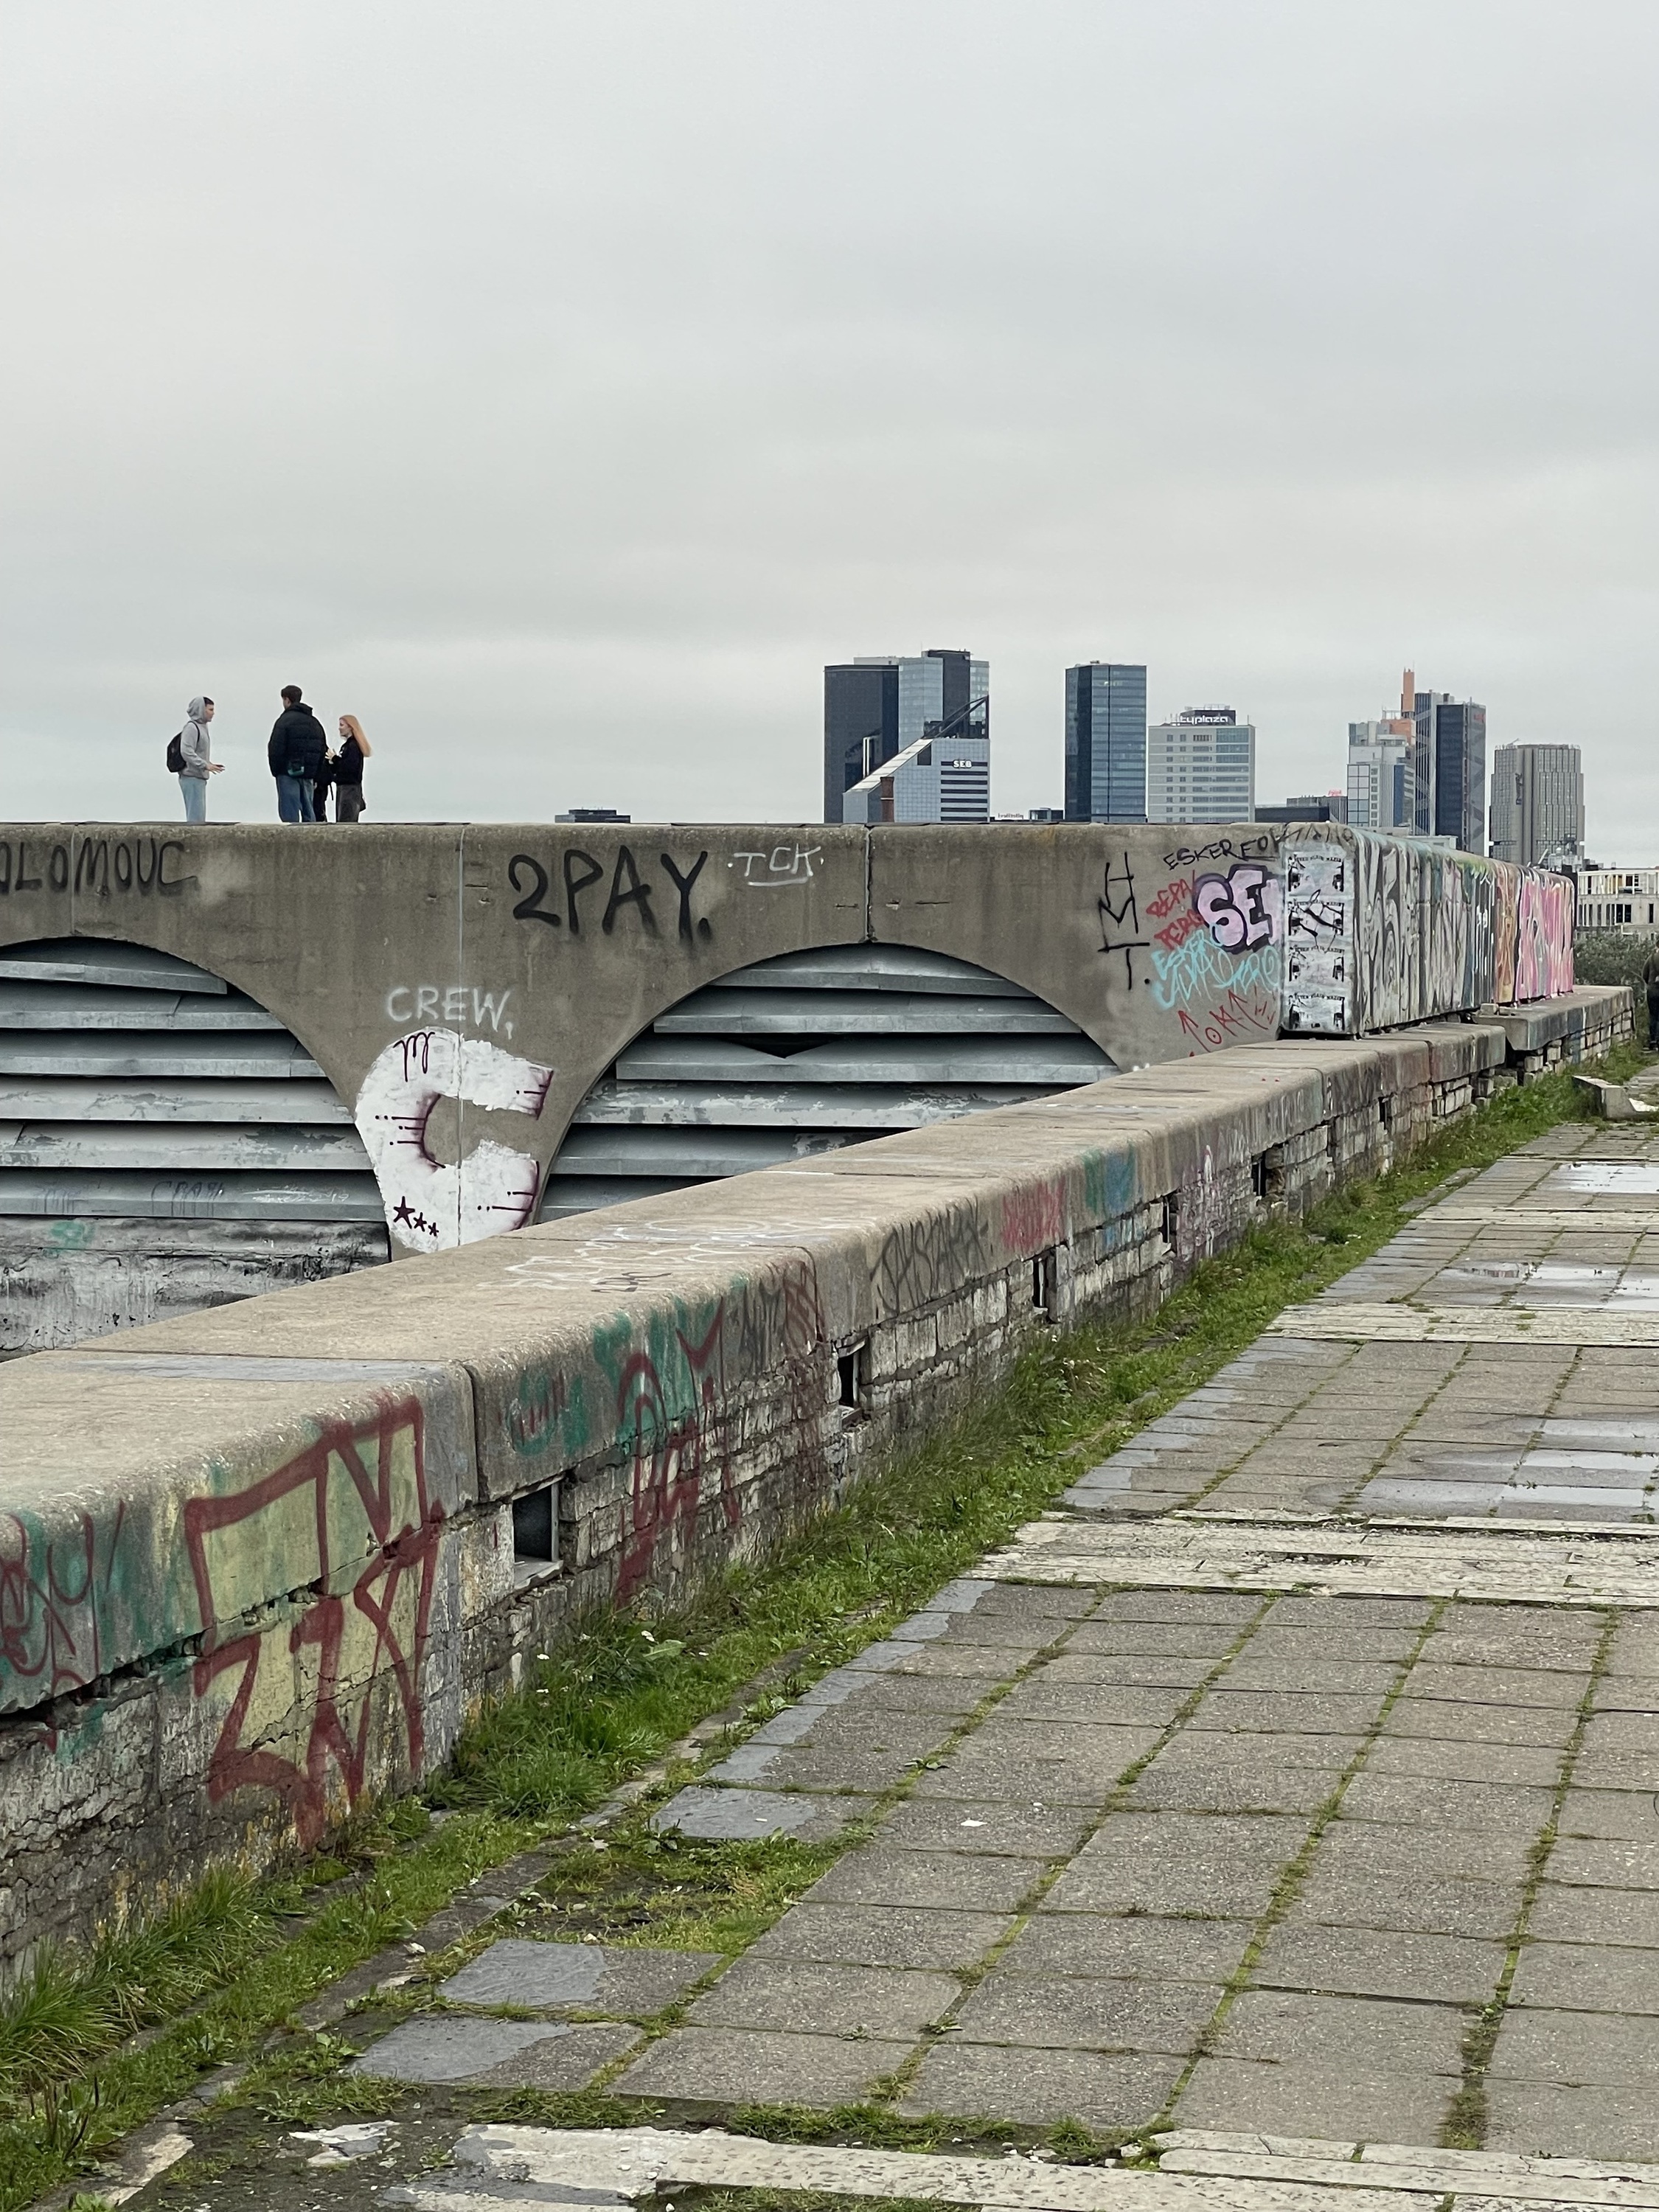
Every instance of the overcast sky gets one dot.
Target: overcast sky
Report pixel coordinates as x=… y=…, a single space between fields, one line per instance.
x=558 y=386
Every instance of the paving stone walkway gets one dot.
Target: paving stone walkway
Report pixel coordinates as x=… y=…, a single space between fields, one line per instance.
x=1292 y=1789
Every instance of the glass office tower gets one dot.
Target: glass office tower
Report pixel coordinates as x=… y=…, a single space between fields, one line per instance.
x=1106 y=741
x=878 y=708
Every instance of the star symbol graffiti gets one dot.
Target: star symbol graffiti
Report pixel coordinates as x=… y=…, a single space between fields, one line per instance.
x=401 y=1210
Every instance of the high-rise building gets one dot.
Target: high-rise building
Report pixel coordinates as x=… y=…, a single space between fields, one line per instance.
x=860 y=725
x=880 y=714
x=1106 y=741
x=1537 y=804
x=1449 y=760
x=1201 y=768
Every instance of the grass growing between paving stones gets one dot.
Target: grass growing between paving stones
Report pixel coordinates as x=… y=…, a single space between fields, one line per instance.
x=1465 y=2122
x=620 y=1693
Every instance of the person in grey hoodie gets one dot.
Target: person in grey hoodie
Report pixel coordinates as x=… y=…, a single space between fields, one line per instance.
x=198 y=755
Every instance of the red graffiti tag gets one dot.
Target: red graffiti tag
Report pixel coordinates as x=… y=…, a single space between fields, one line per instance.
x=671 y=1452
x=1227 y=1022
x=406 y=1533
x=1033 y=1219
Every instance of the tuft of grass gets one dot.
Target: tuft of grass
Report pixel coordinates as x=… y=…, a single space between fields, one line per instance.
x=216 y=1973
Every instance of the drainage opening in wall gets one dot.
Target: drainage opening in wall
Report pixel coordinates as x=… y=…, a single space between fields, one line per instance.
x=1045 y=1277
x=1267 y=1173
x=852 y=1376
x=536 y=1529
x=1172 y=1216
x=1385 y=1111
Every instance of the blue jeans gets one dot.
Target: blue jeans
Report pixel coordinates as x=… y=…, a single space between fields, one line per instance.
x=294 y=799
x=195 y=790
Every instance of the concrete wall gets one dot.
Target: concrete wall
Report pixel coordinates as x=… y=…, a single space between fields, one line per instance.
x=504 y=968
x=260 y=1561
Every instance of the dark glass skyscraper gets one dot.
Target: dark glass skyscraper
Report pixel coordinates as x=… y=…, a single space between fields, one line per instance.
x=1106 y=741
x=860 y=725
x=1449 y=753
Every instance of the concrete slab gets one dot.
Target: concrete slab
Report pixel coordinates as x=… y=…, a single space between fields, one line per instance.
x=986 y=1826
x=882 y=1936
x=496 y=2053
x=1302 y=2100
x=730 y=2066
x=750 y=1815
x=1586 y=1977
x=802 y=1996
x=1135 y=1946
x=1035 y=2089
x=1086 y=2012
x=1380 y=1963
x=959 y=1882
x=589 y=1976
x=1576 y=2048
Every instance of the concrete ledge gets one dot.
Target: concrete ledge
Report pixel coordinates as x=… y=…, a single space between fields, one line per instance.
x=260 y=1561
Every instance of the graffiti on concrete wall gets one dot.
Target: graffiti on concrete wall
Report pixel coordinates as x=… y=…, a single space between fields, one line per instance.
x=357 y=1498
x=433 y=1205
x=784 y=867
x=53 y=1588
x=451 y=1003
x=1427 y=932
x=142 y=867
x=1203 y=935
x=630 y=895
x=674 y=1409
x=1543 y=958
x=1318 y=931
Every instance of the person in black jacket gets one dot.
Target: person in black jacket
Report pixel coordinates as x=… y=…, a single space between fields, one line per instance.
x=296 y=753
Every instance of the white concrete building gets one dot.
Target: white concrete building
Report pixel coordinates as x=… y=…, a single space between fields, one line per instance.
x=937 y=779
x=1200 y=767
x=1381 y=784
x=1622 y=899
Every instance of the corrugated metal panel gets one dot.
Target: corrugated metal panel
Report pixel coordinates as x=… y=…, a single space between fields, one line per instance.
x=134 y=1086
x=217 y=1197
x=75 y=1099
x=85 y=1007
x=158 y=1146
x=872 y=968
x=873 y=1108
x=858 y=1039
x=696 y=1154
x=114 y=966
x=57 y=1054
x=571 y=1195
x=1048 y=1064
x=719 y=1012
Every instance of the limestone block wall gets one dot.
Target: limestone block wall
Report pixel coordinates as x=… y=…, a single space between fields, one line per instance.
x=260 y=1562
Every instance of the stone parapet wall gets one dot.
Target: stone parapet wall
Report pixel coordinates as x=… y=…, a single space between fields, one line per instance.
x=259 y=1562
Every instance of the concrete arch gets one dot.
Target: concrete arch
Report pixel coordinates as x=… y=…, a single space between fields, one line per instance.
x=805 y=1053
x=166 y=1142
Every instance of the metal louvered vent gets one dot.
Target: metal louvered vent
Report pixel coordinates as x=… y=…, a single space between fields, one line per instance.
x=804 y=1054
x=133 y=1084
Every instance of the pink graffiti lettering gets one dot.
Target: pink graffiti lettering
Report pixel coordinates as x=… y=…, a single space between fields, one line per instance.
x=1241 y=909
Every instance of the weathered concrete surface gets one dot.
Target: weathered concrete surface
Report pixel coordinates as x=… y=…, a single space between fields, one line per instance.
x=498 y=970
x=1278 y=1833
x=262 y=1559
